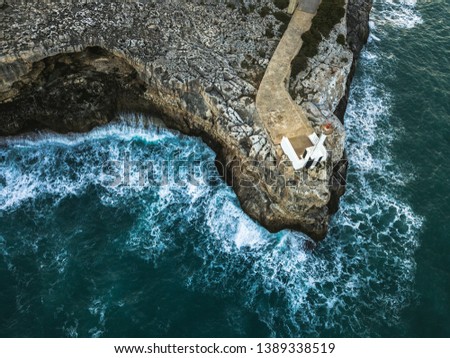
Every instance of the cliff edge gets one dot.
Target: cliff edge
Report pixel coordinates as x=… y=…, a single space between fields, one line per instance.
x=72 y=65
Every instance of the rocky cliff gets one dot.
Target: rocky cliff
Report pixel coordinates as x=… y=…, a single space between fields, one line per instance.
x=72 y=65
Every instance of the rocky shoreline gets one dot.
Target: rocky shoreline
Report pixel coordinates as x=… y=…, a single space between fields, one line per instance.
x=71 y=66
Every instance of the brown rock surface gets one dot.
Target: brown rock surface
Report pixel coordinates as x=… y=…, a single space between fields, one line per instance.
x=72 y=65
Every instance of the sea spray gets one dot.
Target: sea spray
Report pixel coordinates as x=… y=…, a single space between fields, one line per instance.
x=84 y=256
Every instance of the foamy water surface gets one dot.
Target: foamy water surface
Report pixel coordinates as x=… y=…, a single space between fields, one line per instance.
x=58 y=208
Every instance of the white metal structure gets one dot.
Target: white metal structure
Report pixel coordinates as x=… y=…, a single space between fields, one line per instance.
x=311 y=157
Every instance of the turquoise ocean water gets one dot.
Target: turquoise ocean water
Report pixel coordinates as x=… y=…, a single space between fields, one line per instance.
x=80 y=257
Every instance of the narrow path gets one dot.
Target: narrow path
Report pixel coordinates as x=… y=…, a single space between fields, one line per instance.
x=281 y=116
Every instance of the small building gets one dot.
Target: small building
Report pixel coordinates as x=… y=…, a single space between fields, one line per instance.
x=307 y=151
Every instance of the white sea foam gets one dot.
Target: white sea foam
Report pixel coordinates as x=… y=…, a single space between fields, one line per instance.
x=226 y=223
x=71 y=329
x=399 y=14
x=359 y=279
x=362 y=276
x=44 y=163
x=98 y=308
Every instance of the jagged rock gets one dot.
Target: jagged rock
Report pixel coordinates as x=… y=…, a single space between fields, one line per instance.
x=72 y=65
x=358 y=24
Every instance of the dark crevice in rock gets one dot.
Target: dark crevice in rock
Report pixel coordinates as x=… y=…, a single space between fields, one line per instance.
x=74 y=93
x=85 y=86
x=358 y=12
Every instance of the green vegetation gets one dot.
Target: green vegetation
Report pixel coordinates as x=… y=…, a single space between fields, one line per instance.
x=341 y=40
x=231 y=5
x=329 y=14
x=265 y=10
x=282 y=16
x=269 y=32
x=254 y=71
x=281 y=4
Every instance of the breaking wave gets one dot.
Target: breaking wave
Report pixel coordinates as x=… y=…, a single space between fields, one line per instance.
x=357 y=281
x=400 y=14
x=362 y=276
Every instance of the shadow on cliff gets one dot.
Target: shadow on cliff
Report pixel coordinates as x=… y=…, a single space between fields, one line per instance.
x=74 y=92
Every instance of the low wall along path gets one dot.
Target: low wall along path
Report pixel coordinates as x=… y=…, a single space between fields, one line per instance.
x=280 y=115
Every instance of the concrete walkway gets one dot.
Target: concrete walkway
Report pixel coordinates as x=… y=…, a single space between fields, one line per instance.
x=309 y=6
x=281 y=116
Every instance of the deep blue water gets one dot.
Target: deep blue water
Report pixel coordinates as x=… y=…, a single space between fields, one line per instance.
x=82 y=257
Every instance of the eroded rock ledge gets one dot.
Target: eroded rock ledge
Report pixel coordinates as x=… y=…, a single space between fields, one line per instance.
x=70 y=66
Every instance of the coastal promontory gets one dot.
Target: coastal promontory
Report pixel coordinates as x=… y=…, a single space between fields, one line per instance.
x=241 y=75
